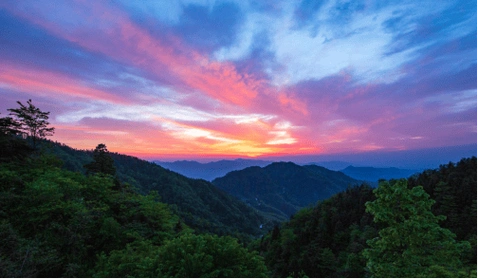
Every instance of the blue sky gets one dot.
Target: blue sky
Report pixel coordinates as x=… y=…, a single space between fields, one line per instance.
x=200 y=79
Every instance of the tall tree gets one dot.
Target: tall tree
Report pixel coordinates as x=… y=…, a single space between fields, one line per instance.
x=412 y=243
x=102 y=161
x=33 y=121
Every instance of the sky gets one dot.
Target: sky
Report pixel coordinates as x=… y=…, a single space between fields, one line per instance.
x=226 y=79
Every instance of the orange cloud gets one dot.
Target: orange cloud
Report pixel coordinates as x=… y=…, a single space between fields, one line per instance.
x=123 y=40
x=192 y=72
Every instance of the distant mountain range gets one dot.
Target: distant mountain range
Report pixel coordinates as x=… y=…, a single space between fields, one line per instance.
x=200 y=204
x=333 y=165
x=274 y=190
x=280 y=189
x=372 y=175
x=209 y=171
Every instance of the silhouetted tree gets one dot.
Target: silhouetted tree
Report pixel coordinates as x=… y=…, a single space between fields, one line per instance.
x=102 y=161
x=11 y=145
x=33 y=122
x=9 y=126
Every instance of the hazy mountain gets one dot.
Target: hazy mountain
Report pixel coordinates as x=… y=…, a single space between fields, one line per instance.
x=200 y=204
x=211 y=170
x=332 y=165
x=371 y=174
x=280 y=189
x=416 y=159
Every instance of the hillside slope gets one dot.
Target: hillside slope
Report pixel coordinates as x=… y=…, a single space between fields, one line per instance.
x=201 y=205
x=327 y=240
x=280 y=189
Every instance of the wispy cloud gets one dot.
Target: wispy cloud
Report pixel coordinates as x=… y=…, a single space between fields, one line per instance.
x=245 y=78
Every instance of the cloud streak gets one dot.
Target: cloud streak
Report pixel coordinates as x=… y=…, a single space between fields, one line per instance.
x=289 y=78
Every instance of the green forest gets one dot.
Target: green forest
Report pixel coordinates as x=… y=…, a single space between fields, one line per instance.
x=93 y=213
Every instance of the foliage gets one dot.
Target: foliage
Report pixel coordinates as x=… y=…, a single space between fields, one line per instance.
x=411 y=244
x=188 y=256
x=199 y=204
x=323 y=241
x=453 y=187
x=280 y=189
x=33 y=121
x=54 y=221
x=328 y=240
x=13 y=146
x=102 y=161
x=209 y=256
x=58 y=223
x=9 y=126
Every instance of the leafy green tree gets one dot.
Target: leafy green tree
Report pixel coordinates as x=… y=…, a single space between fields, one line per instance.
x=33 y=122
x=102 y=161
x=208 y=256
x=53 y=223
x=137 y=259
x=186 y=256
x=411 y=243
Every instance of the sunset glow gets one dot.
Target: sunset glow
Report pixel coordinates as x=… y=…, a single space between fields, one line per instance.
x=190 y=79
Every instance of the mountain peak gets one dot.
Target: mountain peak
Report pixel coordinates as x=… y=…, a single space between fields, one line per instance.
x=281 y=188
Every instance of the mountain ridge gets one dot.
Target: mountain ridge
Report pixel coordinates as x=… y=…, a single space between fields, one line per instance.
x=281 y=188
x=373 y=174
x=200 y=204
x=211 y=170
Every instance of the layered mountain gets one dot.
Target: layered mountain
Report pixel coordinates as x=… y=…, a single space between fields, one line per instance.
x=211 y=170
x=280 y=189
x=200 y=204
x=372 y=174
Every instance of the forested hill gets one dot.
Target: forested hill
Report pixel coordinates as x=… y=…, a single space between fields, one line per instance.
x=280 y=189
x=339 y=237
x=58 y=223
x=453 y=186
x=201 y=205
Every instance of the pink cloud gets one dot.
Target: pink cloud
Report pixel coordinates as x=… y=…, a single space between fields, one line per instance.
x=367 y=116
x=43 y=82
x=123 y=40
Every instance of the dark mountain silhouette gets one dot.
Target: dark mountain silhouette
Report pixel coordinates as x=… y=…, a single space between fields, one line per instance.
x=332 y=165
x=280 y=189
x=211 y=170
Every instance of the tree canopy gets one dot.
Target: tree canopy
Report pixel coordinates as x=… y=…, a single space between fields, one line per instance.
x=12 y=145
x=102 y=161
x=32 y=121
x=411 y=243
